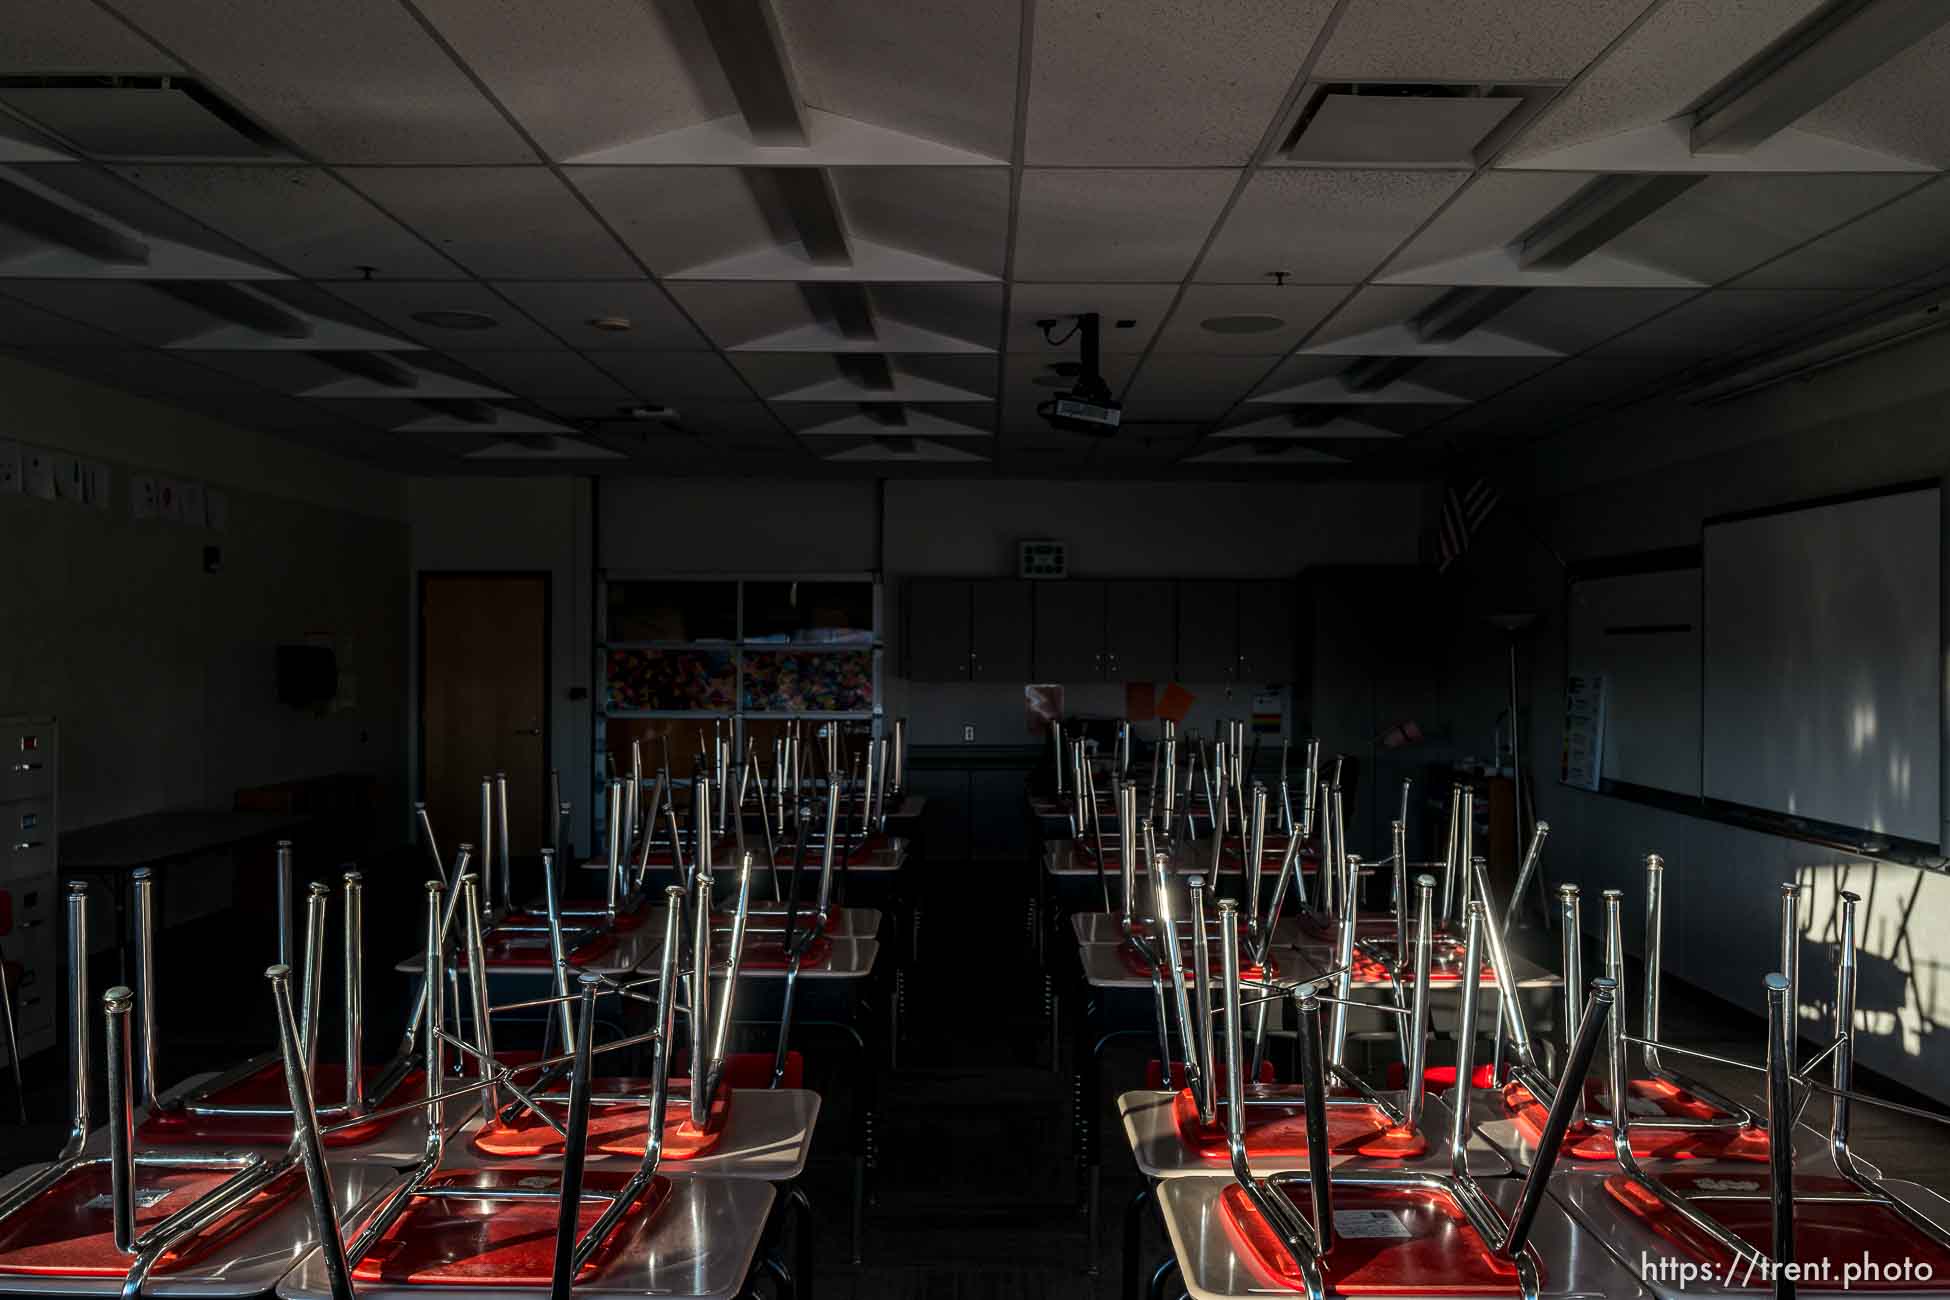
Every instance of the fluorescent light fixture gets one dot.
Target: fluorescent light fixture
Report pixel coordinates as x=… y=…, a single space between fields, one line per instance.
x=1596 y=215
x=1833 y=49
x=1801 y=361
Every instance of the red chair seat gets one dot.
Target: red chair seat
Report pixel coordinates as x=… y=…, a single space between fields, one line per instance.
x=1440 y=1077
x=1585 y=1141
x=531 y=948
x=1136 y=965
x=458 y=1242
x=1416 y=1241
x=1280 y=1132
x=69 y=1229
x=614 y=1130
x=1890 y=1254
x=265 y=1087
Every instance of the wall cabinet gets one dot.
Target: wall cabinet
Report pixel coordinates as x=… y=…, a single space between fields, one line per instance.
x=1154 y=629
x=961 y=630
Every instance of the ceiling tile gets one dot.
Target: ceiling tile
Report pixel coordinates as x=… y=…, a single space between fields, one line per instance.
x=1115 y=225
x=498 y=222
x=674 y=377
x=1478 y=377
x=1572 y=320
x=532 y=372
x=24 y=325
x=1143 y=304
x=1492 y=211
x=1729 y=224
x=1726 y=320
x=678 y=217
x=51 y=39
x=1157 y=82
x=1898 y=108
x=302 y=218
x=736 y=312
x=1375 y=307
x=128 y=308
x=1897 y=242
x=859 y=58
x=956 y=214
x=640 y=67
x=1322 y=226
x=348 y=82
x=142 y=372
x=103 y=192
x=1471 y=40
x=1287 y=312
x=566 y=310
x=394 y=303
x=1681 y=51
x=972 y=312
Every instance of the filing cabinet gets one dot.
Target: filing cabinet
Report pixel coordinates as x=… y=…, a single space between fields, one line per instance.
x=29 y=928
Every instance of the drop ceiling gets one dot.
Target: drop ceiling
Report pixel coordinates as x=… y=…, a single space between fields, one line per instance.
x=1325 y=237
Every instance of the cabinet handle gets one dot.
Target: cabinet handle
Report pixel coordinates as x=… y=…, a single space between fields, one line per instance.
x=26 y=767
x=21 y=845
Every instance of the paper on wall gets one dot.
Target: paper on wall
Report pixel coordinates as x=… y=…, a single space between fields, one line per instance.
x=192 y=494
x=96 y=482
x=9 y=467
x=37 y=472
x=216 y=510
x=169 y=500
x=142 y=496
x=67 y=476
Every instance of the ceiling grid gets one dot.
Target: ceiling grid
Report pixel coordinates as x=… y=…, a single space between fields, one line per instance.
x=1326 y=237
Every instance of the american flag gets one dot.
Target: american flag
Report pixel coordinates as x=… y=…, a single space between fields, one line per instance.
x=1463 y=512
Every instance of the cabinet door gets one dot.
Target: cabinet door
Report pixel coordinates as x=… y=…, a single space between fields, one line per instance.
x=1208 y=641
x=1069 y=631
x=1001 y=631
x=1266 y=634
x=937 y=624
x=1142 y=626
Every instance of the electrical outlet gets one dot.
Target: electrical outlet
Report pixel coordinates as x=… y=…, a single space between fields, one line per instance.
x=968 y=733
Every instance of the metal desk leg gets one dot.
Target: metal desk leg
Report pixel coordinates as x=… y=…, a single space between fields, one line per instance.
x=1134 y=1240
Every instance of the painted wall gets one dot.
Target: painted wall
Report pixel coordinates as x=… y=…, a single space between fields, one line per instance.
x=163 y=675
x=525 y=525
x=1648 y=481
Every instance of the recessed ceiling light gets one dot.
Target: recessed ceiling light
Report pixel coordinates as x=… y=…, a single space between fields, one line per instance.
x=1241 y=324
x=456 y=320
x=611 y=324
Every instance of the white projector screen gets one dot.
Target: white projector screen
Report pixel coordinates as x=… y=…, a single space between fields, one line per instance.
x=1822 y=684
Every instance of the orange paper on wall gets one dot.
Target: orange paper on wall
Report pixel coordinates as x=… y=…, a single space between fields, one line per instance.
x=1140 y=701
x=1176 y=702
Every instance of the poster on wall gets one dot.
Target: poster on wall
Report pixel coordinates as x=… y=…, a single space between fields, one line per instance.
x=142 y=496
x=37 y=472
x=9 y=467
x=192 y=504
x=1042 y=705
x=1584 y=731
x=95 y=484
x=67 y=477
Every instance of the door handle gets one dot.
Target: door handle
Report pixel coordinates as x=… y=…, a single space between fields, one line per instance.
x=528 y=731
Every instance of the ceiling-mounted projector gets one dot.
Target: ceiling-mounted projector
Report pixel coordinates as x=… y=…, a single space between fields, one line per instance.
x=1087 y=407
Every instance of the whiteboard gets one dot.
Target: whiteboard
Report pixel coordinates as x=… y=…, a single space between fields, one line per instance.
x=1641 y=633
x=1822 y=688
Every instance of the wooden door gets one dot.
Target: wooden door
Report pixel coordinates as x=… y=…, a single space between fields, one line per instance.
x=1069 y=629
x=937 y=630
x=484 y=702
